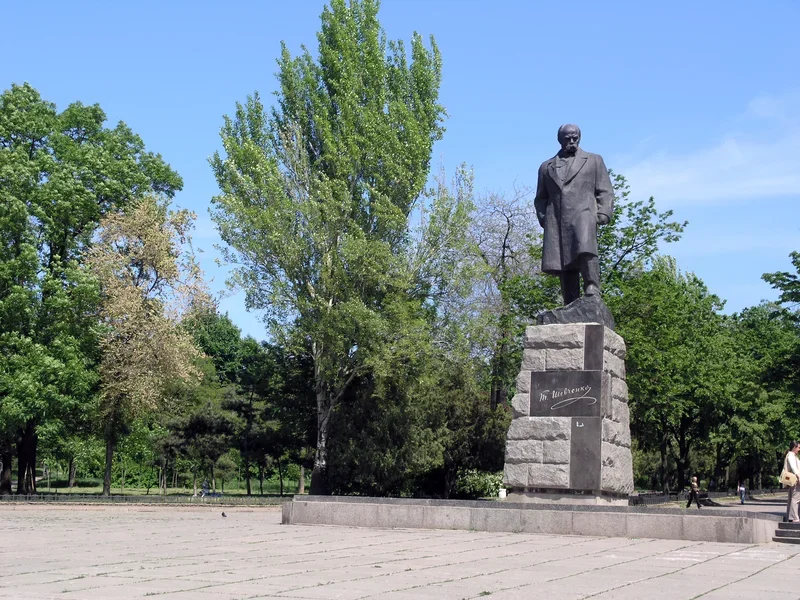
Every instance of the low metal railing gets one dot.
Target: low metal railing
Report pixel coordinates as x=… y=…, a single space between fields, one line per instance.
x=221 y=500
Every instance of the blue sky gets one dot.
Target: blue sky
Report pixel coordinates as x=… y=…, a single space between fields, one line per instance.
x=698 y=104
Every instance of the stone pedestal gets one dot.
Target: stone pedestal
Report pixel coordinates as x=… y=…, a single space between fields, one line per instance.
x=570 y=440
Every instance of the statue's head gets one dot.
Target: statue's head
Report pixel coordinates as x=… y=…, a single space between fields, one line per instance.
x=569 y=136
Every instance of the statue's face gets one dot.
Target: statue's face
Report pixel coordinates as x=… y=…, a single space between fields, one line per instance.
x=569 y=138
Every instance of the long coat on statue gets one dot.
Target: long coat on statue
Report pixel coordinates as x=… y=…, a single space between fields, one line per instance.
x=567 y=210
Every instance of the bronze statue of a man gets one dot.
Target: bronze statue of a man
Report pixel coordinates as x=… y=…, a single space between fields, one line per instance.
x=573 y=196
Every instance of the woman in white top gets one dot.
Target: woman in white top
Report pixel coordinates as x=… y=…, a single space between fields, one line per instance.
x=792 y=464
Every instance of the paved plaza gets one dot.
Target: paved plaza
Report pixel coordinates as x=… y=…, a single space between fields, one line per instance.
x=106 y=552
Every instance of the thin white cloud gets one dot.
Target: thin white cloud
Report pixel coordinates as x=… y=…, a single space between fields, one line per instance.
x=737 y=242
x=739 y=166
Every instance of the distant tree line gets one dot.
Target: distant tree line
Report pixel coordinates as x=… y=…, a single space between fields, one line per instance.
x=394 y=307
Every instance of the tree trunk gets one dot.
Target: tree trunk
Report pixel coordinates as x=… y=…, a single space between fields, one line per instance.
x=109 y=458
x=123 y=477
x=261 y=480
x=247 y=475
x=194 y=482
x=683 y=456
x=213 y=480
x=663 y=448
x=26 y=460
x=73 y=469
x=319 y=476
x=6 y=456
x=280 y=474
x=301 y=484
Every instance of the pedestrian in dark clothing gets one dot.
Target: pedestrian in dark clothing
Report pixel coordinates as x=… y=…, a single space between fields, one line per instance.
x=694 y=493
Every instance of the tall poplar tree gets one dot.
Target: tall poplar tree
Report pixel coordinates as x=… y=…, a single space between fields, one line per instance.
x=316 y=197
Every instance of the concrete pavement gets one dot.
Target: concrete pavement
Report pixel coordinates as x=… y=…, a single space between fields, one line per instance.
x=108 y=552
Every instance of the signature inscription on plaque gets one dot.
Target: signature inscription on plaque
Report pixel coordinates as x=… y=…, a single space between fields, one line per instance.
x=566 y=393
x=566 y=396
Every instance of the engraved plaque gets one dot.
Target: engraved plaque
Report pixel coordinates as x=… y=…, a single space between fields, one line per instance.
x=567 y=394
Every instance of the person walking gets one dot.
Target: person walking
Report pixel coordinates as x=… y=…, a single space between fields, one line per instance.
x=742 y=490
x=694 y=493
x=792 y=465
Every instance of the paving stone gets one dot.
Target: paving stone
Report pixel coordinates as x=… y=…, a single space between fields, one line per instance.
x=83 y=553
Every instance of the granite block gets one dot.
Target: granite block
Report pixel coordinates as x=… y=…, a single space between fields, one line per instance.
x=600 y=524
x=615 y=433
x=516 y=476
x=521 y=405
x=540 y=428
x=564 y=359
x=533 y=359
x=619 y=389
x=523 y=382
x=554 y=336
x=614 y=343
x=492 y=519
x=524 y=451
x=546 y=521
x=433 y=517
x=613 y=365
x=620 y=412
x=556 y=452
x=548 y=476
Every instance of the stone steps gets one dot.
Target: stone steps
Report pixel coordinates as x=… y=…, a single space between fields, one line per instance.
x=787 y=533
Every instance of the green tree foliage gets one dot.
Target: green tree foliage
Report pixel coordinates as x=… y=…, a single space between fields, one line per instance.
x=60 y=173
x=677 y=362
x=145 y=276
x=315 y=200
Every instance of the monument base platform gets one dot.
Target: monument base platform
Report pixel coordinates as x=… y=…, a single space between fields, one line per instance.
x=562 y=497
x=708 y=524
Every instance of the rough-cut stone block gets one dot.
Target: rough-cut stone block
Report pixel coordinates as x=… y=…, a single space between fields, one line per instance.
x=523 y=382
x=615 y=433
x=614 y=343
x=556 y=452
x=616 y=471
x=564 y=359
x=548 y=476
x=619 y=389
x=515 y=475
x=533 y=360
x=554 y=336
x=540 y=428
x=620 y=412
x=521 y=405
x=614 y=365
x=524 y=451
